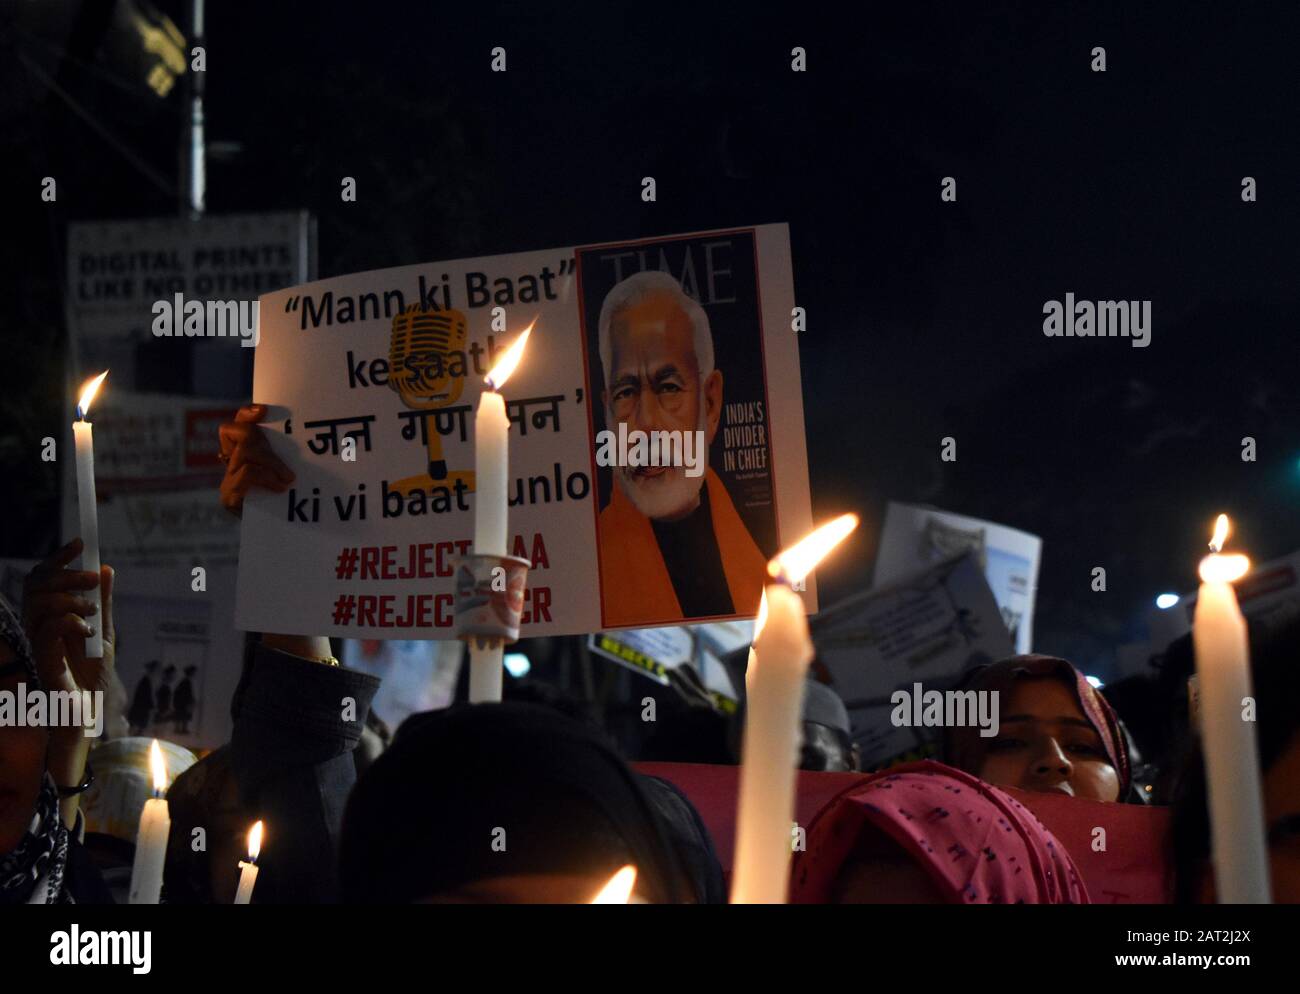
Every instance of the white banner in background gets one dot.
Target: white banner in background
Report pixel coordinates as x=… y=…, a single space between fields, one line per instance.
x=915 y=537
x=117 y=270
x=929 y=629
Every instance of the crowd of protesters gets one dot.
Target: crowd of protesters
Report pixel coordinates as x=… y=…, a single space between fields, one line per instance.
x=360 y=816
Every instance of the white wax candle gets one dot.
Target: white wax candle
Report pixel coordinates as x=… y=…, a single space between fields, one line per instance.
x=247 y=879
x=150 y=852
x=773 y=709
x=85 y=449
x=485 y=667
x=491 y=431
x=1228 y=742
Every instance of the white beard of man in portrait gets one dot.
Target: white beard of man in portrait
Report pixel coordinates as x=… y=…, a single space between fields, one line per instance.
x=663 y=493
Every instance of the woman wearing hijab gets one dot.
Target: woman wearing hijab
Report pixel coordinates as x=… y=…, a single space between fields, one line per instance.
x=1056 y=733
x=502 y=803
x=928 y=834
x=43 y=770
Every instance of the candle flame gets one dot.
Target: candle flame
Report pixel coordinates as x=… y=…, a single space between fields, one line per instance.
x=619 y=888
x=802 y=558
x=1224 y=569
x=498 y=374
x=1218 y=568
x=1222 y=526
x=158 y=766
x=254 y=841
x=88 y=391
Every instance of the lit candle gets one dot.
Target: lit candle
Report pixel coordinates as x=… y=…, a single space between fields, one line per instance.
x=778 y=664
x=151 y=839
x=619 y=888
x=1227 y=739
x=248 y=870
x=491 y=508
x=85 y=449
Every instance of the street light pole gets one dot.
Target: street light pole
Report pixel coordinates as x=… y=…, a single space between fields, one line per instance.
x=193 y=185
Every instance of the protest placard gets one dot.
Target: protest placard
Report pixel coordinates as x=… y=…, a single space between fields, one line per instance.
x=686 y=652
x=652 y=652
x=176 y=670
x=915 y=536
x=373 y=380
x=928 y=629
x=118 y=271
x=161 y=524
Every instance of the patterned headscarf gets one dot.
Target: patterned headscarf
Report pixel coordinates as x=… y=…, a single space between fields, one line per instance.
x=964 y=748
x=976 y=844
x=32 y=873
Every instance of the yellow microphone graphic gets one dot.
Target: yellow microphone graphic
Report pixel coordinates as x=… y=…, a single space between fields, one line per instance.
x=419 y=369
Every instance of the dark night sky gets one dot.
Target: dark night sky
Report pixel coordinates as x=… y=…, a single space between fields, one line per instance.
x=925 y=319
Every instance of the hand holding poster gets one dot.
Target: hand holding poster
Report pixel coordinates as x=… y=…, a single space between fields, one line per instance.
x=679 y=345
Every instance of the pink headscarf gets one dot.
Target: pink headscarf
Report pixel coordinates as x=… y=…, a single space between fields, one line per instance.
x=977 y=844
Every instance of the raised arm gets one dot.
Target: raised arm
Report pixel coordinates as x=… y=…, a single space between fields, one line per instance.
x=298 y=715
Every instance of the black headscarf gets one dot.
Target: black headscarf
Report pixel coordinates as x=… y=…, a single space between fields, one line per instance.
x=690 y=838
x=41 y=857
x=420 y=822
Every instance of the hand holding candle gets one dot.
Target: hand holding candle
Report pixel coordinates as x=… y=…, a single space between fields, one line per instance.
x=1227 y=739
x=151 y=839
x=248 y=870
x=85 y=452
x=778 y=663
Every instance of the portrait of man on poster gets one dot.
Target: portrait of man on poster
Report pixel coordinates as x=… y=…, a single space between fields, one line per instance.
x=672 y=545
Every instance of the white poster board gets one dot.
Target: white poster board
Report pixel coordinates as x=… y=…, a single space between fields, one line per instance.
x=366 y=548
x=915 y=537
x=928 y=629
x=117 y=270
x=156 y=446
